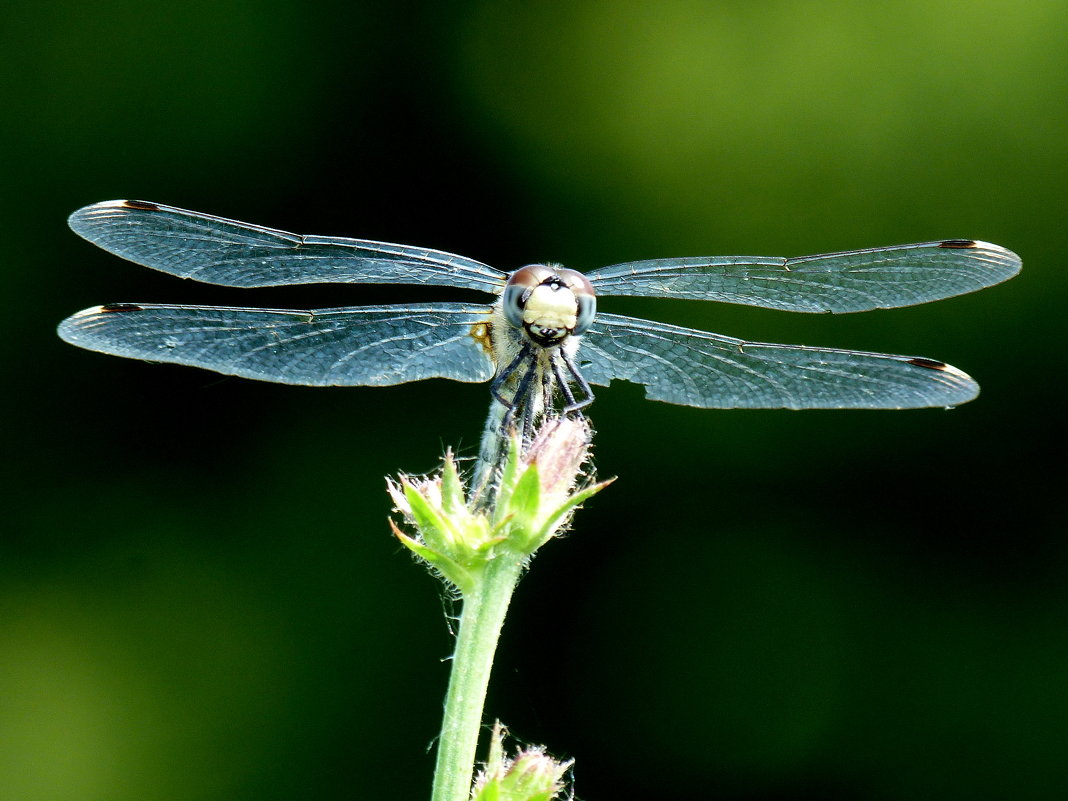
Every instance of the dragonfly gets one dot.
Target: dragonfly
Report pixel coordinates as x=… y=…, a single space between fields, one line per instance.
x=541 y=343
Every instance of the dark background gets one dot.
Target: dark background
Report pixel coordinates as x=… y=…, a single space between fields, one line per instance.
x=199 y=595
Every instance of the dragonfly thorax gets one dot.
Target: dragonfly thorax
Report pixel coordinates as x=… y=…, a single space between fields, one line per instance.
x=549 y=303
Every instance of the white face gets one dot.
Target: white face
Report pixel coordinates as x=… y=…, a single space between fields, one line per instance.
x=551 y=310
x=549 y=303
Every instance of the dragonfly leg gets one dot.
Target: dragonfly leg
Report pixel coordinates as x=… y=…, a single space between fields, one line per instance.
x=501 y=378
x=528 y=423
x=574 y=405
x=520 y=399
x=565 y=387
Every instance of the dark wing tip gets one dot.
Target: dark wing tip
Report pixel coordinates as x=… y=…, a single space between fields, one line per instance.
x=930 y=364
x=108 y=308
x=1001 y=263
x=957 y=387
x=85 y=218
x=143 y=205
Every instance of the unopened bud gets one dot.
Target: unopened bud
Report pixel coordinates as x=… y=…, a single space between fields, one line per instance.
x=531 y=775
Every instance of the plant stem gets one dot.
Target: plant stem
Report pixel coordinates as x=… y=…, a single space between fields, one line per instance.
x=481 y=619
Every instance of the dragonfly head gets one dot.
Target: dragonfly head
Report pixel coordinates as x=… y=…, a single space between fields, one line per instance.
x=550 y=303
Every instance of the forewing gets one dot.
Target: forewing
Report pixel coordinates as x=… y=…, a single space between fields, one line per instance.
x=367 y=345
x=215 y=250
x=695 y=368
x=852 y=281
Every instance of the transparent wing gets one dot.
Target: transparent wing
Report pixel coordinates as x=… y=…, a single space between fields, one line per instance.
x=852 y=281
x=366 y=345
x=695 y=368
x=220 y=251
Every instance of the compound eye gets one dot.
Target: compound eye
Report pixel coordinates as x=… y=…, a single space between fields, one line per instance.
x=514 y=303
x=585 y=297
x=587 y=310
x=517 y=291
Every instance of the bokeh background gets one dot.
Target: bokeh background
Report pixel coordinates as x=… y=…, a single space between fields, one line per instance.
x=199 y=595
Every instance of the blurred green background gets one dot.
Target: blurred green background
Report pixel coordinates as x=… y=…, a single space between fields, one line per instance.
x=199 y=595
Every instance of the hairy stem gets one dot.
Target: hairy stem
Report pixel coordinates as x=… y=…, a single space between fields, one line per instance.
x=484 y=608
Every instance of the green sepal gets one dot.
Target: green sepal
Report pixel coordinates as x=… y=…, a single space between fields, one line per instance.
x=525 y=498
x=495 y=754
x=436 y=530
x=553 y=520
x=508 y=476
x=452 y=491
x=462 y=579
x=498 y=535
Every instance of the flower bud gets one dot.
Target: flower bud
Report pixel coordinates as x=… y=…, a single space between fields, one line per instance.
x=533 y=502
x=531 y=775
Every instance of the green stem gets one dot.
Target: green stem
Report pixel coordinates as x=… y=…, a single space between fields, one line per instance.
x=481 y=619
